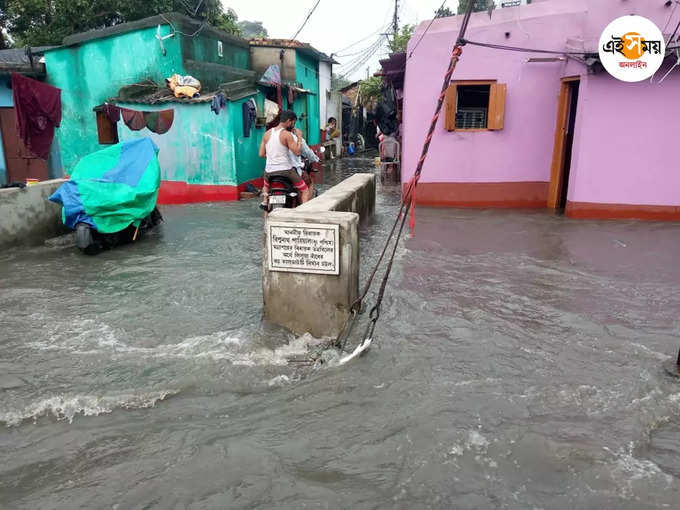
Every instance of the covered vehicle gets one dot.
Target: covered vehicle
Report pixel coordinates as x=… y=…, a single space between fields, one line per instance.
x=111 y=196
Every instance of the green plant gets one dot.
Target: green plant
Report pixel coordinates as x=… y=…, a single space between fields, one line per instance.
x=443 y=12
x=400 y=40
x=370 y=91
x=477 y=5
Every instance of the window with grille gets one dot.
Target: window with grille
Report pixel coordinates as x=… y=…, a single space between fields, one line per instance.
x=475 y=106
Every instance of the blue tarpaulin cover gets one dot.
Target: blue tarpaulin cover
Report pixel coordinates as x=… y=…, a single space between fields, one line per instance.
x=113 y=188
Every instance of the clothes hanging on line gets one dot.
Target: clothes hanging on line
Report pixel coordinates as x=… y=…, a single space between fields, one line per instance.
x=133 y=119
x=112 y=112
x=249 y=111
x=218 y=103
x=159 y=122
x=37 y=108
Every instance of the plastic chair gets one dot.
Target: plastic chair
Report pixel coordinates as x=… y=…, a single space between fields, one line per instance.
x=390 y=149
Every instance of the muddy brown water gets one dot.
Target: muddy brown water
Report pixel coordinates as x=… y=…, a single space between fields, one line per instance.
x=517 y=364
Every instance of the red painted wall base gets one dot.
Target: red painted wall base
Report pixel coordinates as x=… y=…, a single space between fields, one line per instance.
x=482 y=194
x=177 y=192
x=595 y=211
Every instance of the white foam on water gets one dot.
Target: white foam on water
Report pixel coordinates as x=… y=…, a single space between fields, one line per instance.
x=279 y=380
x=67 y=407
x=89 y=337
x=476 y=440
x=627 y=469
x=478 y=447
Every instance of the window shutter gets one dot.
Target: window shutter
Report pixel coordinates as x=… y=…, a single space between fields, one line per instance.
x=497 y=106
x=106 y=130
x=450 y=100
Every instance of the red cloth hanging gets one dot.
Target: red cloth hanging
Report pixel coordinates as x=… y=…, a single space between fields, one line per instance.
x=279 y=99
x=133 y=119
x=37 y=107
x=159 y=122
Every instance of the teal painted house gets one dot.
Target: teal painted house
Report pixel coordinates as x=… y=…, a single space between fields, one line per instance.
x=299 y=64
x=204 y=156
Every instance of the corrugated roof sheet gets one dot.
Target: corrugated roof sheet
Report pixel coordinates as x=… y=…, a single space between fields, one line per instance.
x=293 y=44
x=151 y=93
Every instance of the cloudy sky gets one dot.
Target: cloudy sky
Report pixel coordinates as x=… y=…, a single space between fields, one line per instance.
x=336 y=24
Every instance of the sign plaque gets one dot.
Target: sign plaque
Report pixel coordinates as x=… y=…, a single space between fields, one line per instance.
x=304 y=248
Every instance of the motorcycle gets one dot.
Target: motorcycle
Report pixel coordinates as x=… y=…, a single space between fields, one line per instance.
x=282 y=193
x=92 y=242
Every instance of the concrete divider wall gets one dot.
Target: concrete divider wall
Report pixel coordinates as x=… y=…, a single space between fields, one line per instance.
x=320 y=303
x=27 y=217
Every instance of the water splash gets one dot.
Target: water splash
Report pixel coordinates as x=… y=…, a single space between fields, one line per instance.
x=67 y=407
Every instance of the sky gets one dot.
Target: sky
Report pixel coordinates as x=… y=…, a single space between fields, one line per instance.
x=336 y=24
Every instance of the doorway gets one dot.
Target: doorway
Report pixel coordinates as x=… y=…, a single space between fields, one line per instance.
x=564 y=142
x=21 y=163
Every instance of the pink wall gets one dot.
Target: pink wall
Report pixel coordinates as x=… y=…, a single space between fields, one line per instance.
x=604 y=151
x=628 y=141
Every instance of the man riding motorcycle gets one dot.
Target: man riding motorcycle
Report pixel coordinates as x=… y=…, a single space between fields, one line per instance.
x=276 y=145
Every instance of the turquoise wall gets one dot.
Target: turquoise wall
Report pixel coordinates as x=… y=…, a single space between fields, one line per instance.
x=93 y=72
x=307 y=73
x=203 y=48
x=204 y=148
x=5 y=101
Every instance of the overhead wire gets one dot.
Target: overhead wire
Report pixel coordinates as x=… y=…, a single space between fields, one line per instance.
x=357 y=63
x=175 y=31
x=525 y=50
x=426 y=29
x=309 y=15
x=367 y=51
x=373 y=34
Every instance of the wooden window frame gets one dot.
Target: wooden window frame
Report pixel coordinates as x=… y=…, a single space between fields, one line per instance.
x=495 y=120
x=107 y=131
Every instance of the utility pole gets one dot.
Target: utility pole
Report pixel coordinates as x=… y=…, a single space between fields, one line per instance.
x=395 y=20
x=367 y=71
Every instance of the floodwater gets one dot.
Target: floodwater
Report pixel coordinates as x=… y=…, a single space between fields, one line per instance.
x=517 y=365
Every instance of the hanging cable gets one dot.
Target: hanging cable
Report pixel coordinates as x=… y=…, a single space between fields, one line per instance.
x=339 y=55
x=175 y=31
x=425 y=32
x=525 y=50
x=357 y=63
x=306 y=19
x=339 y=52
x=407 y=205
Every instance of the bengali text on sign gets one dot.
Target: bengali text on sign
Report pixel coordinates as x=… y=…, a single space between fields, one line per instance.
x=304 y=248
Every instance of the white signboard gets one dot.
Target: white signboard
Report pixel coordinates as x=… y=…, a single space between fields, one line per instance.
x=304 y=248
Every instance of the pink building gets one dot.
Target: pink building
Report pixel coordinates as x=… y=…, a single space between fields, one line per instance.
x=537 y=130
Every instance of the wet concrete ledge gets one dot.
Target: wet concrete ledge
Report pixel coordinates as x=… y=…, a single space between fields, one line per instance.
x=27 y=217
x=320 y=303
x=355 y=194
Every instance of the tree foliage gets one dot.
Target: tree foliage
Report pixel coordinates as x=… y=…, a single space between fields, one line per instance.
x=370 y=91
x=47 y=22
x=477 y=5
x=252 y=29
x=400 y=40
x=443 y=12
x=4 y=42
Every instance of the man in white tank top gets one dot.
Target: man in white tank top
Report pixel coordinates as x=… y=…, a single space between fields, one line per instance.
x=275 y=146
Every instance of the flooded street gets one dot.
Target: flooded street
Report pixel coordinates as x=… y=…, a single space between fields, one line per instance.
x=517 y=364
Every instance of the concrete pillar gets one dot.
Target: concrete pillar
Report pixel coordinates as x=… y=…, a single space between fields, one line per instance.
x=311 y=260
